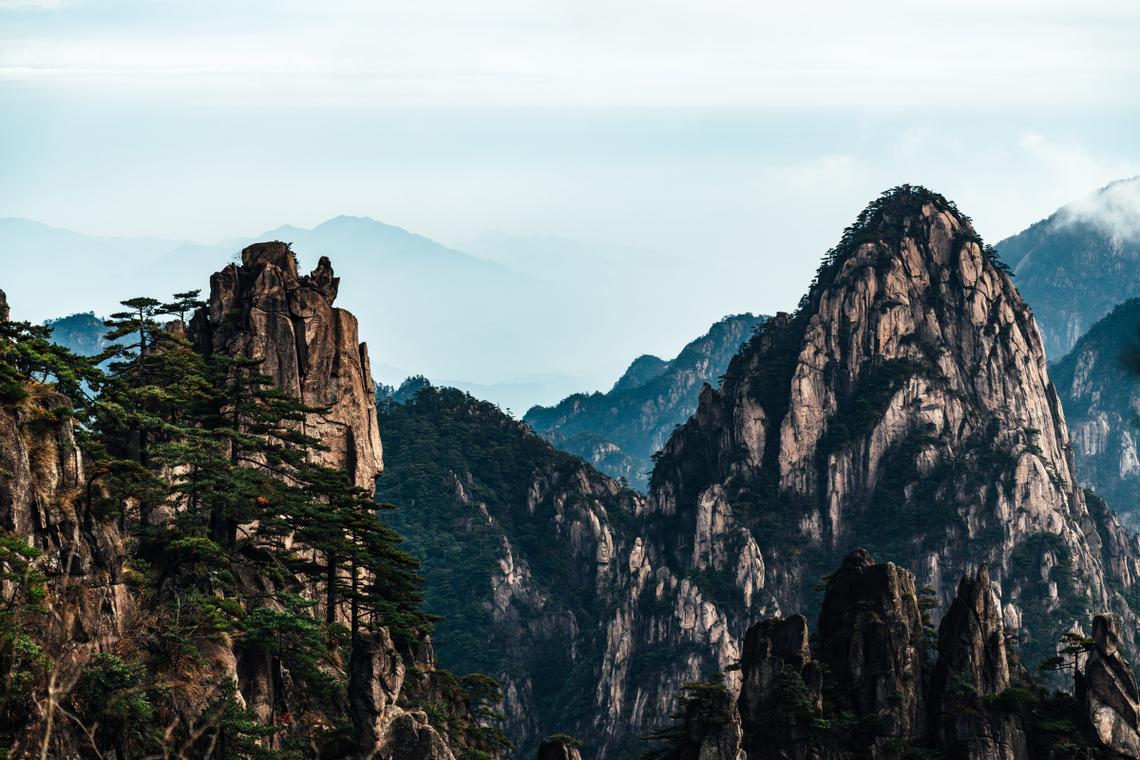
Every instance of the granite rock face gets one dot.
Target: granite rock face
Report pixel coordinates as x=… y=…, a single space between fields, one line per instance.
x=1100 y=391
x=906 y=407
x=971 y=638
x=263 y=309
x=384 y=730
x=1107 y=691
x=860 y=686
x=44 y=502
x=775 y=654
x=973 y=667
x=873 y=645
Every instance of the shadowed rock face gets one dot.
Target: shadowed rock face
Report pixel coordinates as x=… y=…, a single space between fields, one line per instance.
x=1100 y=390
x=558 y=750
x=375 y=679
x=775 y=654
x=978 y=706
x=1107 y=690
x=972 y=666
x=872 y=642
x=971 y=638
x=263 y=309
x=42 y=502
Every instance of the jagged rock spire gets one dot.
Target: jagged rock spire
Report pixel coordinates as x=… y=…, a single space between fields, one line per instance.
x=1107 y=691
x=263 y=309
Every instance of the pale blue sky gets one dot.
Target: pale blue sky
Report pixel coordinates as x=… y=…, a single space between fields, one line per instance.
x=738 y=136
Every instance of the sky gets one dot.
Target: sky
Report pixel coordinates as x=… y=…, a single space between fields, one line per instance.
x=736 y=137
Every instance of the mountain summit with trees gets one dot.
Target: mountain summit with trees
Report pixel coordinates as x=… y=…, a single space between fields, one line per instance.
x=192 y=562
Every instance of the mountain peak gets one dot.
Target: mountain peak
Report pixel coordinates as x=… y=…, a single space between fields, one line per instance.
x=1080 y=262
x=897 y=213
x=1113 y=210
x=905 y=406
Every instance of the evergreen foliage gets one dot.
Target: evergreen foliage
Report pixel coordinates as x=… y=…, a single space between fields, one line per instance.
x=237 y=536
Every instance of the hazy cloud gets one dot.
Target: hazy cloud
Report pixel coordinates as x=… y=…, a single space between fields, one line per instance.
x=1114 y=209
x=585 y=52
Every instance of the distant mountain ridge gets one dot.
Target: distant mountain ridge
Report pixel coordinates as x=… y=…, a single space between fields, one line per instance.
x=83 y=334
x=460 y=316
x=1100 y=392
x=619 y=431
x=1075 y=266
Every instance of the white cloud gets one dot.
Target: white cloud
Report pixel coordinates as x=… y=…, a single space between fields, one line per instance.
x=588 y=52
x=1115 y=210
x=25 y=5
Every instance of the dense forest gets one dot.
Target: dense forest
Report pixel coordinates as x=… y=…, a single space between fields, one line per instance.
x=206 y=501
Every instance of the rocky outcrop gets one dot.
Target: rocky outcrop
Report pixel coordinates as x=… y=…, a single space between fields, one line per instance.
x=619 y=431
x=43 y=500
x=1100 y=392
x=862 y=690
x=872 y=644
x=1107 y=692
x=971 y=638
x=258 y=310
x=906 y=406
x=558 y=748
x=46 y=504
x=778 y=678
x=974 y=668
x=263 y=309
x=386 y=731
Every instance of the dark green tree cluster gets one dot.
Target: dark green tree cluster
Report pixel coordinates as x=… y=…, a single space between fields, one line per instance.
x=237 y=537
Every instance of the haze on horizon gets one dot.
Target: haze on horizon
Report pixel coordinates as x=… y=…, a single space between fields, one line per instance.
x=706 y=153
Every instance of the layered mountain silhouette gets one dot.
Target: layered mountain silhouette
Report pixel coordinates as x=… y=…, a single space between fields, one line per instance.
x=1099 y=385
x=905 y=408
x=620 y=431
x=517 y=333
x=1075 y=266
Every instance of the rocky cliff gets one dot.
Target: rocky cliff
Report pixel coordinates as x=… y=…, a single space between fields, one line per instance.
x=885 y=686
x=62 y=583
x=1100 y=391
x=264 y=309
x=522 y=545
x=905 y=407
x=128 y=630
x=1075 y=266
x=620 y=431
